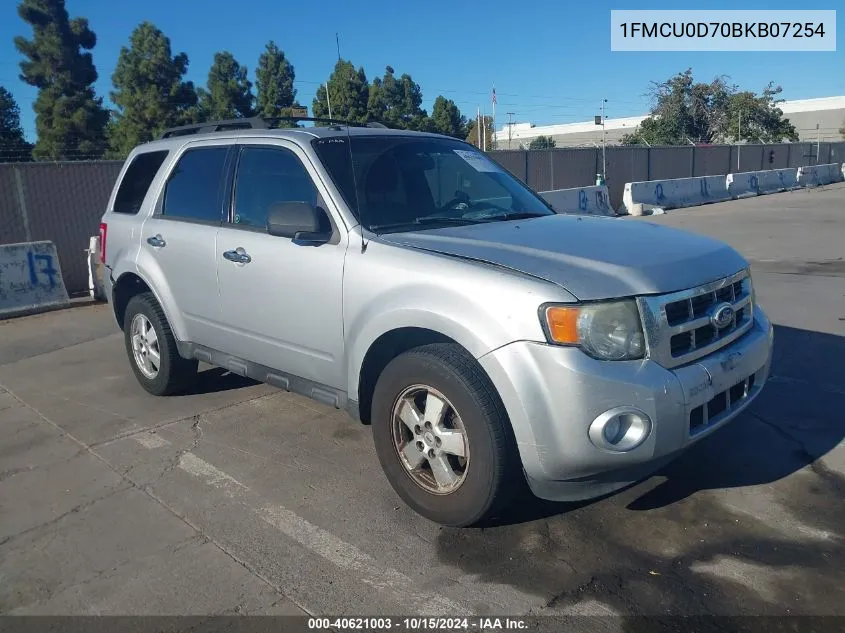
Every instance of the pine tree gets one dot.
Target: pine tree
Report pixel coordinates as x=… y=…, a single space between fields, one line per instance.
x=228 y=94
x=274 y=77
x=150 y=91
x=69 y=118
x=348 y=94
x=446 y=118
x=13 y=145
x=396 y=102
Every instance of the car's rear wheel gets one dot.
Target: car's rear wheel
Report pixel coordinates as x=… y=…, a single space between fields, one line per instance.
x=152 y=350
x=442 y=435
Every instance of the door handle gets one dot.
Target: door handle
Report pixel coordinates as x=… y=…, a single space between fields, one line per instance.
x=239 y=256
x=157 y=241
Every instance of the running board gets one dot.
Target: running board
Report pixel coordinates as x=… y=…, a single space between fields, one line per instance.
x=304 y=387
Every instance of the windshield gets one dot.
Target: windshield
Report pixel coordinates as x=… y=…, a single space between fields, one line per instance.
x=408 y=183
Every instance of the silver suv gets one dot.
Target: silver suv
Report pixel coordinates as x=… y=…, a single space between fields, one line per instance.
x=409 y=279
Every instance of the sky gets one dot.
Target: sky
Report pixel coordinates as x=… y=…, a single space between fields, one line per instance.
x=550 y=60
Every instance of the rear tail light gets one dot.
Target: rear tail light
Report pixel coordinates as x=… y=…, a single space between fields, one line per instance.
x=103 y=229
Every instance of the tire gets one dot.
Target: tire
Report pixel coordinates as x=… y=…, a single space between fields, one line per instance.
x=174 y=374
x=490 y=472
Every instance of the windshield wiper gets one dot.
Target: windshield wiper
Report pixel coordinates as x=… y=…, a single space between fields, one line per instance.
x=439 y=219
x=421 y=221
x=519 y=215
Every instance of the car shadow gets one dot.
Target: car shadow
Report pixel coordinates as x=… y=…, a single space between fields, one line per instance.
x=217 y=379
x=795 y=421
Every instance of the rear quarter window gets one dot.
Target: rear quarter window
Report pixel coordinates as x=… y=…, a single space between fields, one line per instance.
x=137 y=180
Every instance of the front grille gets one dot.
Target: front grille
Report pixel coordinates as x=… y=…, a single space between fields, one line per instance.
x=714 y=410
x=679 y=328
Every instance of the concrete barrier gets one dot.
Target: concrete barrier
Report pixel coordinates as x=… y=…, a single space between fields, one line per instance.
x=640 y=198
x=755 y=183
x=582 y=200
x=30 y=279
x=818 y=175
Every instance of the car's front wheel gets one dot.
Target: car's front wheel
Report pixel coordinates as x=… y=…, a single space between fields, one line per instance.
x=442 y=435
x=152 y=350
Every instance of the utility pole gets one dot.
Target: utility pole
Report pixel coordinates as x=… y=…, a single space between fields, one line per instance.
x=328 y=100
x=818 y=143
x=493 y=134
x=478 y=125
x=603 y=143
x=739 y=139
x=510 y=127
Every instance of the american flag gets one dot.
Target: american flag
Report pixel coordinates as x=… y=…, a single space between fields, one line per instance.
x=494 y=95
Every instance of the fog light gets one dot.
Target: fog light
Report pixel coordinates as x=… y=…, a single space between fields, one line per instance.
x=620 y=429
x=611 y=430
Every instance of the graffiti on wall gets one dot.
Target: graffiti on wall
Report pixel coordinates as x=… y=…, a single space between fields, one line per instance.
x=30 y=277
x=41 y=269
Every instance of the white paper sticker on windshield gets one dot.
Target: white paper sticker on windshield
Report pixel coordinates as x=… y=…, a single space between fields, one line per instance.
x=478 y=161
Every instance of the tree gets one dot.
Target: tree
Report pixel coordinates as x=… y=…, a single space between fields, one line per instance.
x=842 y=130
x=688 y=112
x=348 y=94
x=274 y=76
x=69 y=118
x=228 y=93
x=397 y=102
x=542 y=142
x=487 y=127
x=754 y=118
x=447 y=119
x=13 y=145
x=150 y=92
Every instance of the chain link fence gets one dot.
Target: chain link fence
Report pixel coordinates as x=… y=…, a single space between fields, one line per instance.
x=60 y=202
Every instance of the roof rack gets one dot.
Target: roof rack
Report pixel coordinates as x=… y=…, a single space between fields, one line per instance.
x=257 y=123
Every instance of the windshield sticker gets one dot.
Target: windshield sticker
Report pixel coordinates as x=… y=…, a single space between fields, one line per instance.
x=477 y=161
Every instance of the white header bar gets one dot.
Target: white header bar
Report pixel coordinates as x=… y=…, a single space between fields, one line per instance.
x=724 y=30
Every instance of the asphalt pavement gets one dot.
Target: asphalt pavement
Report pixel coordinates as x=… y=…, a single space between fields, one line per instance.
x=239 y=498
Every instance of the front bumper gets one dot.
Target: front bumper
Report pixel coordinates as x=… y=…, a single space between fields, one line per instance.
x=553 y=393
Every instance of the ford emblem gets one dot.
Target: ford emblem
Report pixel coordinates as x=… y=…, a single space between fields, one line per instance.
x=722 y=316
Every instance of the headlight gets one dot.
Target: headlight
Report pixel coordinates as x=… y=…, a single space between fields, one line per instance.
x=607 y=331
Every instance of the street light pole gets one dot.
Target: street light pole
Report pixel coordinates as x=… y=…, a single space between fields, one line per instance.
x=739 y=139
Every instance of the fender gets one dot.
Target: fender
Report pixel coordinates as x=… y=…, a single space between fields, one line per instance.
x=428 y=307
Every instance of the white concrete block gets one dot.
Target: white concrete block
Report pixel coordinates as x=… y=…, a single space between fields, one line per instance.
x=641 y=197
x=580 y=200
x=30 y=278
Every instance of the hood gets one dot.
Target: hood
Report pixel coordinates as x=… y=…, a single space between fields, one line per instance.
x=591 y=257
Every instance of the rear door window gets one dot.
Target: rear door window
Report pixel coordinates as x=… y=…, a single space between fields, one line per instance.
x=195 y=186
x=137 y=180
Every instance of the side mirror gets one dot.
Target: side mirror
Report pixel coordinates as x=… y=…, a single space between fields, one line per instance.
x=301 y=221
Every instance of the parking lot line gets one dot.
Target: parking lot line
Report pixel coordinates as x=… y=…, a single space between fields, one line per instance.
x=399 y=587
x=150 y=440
x=346 y=556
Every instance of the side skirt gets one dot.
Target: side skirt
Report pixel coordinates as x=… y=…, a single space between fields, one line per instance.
x=308 y=388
